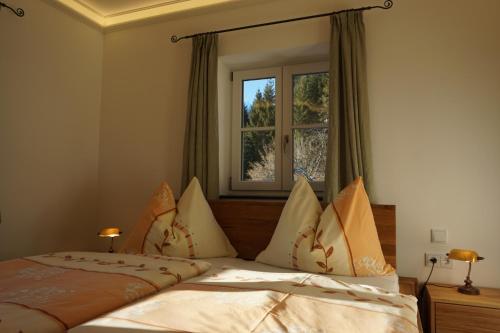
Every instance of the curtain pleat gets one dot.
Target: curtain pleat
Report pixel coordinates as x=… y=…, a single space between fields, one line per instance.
x=348 y=149
x=201 y=144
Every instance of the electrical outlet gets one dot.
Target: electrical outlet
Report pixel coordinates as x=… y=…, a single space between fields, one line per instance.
x=442 y=260
x=429 y=256
x=445 y=262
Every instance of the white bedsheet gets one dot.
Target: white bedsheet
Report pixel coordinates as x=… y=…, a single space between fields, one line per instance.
x=389 y=282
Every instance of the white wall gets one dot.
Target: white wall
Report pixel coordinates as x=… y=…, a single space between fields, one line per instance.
x=434 y=85
x=434 y=82
x=50 y=83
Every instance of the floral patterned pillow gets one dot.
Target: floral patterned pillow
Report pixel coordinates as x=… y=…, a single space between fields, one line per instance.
x=346 y=240
x=194 y=232
x=147 y=234
x=296 y=228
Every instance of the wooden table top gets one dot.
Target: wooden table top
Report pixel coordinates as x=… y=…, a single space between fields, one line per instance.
x=489 y=297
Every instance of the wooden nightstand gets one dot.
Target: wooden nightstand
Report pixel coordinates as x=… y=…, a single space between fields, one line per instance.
x=451 y=311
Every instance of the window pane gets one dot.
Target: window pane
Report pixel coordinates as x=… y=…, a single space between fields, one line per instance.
x=259 y=102
x=309 y=153
x=258 y=156
x=310 y=98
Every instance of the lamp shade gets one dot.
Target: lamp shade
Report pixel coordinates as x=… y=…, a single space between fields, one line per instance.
x=464 y=255
x=109 y=232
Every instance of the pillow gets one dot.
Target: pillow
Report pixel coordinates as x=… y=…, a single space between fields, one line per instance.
x=348 y=232
x=194 y=232
x=296 y=228
x=188 y=230
x=343 y=242
x=148 y=232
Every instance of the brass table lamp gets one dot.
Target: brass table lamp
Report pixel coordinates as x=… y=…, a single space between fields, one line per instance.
x=111 y=233
x=470 y=257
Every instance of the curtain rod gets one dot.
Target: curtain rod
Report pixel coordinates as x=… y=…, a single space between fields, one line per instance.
x=387 y=4
x=19 y=11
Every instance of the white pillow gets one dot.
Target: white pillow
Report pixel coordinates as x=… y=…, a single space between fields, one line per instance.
x=195 y=233
x=299 y=218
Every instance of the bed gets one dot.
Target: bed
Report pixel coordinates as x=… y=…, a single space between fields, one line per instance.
x=57 y=291
x=241 y=295
x=233 y=295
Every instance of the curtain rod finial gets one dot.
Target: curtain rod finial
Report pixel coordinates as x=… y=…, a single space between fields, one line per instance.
x=174 y=39
x=18 y=11
x=388 y=4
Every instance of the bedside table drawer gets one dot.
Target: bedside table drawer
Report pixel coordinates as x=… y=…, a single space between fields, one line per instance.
x=466 y=319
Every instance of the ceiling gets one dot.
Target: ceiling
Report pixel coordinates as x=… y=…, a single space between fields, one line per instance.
x=108 y=8
x=108 y=13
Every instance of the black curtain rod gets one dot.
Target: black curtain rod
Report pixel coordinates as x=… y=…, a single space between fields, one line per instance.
x=19 y=11
x=387 y=4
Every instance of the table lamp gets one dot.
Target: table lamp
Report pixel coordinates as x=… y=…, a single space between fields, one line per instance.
x=111 y=233
x=470 y=257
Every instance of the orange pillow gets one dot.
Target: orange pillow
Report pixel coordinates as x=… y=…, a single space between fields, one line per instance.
x=347 y=235
x=161 y=209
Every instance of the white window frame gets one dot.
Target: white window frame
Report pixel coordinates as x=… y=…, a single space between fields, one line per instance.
x=283 y=126
x=288 y=73
x=236 y=167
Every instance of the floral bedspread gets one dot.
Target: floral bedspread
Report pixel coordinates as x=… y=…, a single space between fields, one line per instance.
x=230 y=299
x=57 y=291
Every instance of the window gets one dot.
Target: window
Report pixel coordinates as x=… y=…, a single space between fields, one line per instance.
x=280 y=127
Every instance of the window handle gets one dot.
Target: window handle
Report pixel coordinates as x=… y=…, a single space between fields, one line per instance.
x=285 y=142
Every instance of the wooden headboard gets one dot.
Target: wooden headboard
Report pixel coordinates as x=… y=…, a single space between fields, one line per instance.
x=250 y=224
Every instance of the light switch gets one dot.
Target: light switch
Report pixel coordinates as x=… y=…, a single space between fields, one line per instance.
x=439 y=236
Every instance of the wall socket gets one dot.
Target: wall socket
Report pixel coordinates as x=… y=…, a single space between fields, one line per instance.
x=442 y=260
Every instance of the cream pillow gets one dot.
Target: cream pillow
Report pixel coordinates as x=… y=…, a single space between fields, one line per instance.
x=297 y=224
x=194 y=232
x=344 y=241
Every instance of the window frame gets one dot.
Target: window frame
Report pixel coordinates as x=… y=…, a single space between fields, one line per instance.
x=283 y=126
x=288 y=127
x=236 y=166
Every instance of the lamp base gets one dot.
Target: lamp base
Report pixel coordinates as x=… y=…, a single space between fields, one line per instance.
x=468 y=289
x=111 y=246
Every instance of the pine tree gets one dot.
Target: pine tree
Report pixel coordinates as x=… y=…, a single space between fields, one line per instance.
x=310 y=104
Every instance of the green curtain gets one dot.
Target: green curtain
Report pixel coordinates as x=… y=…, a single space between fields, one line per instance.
x=348 y=152
x=201 y=144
